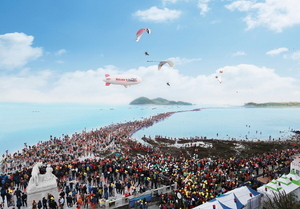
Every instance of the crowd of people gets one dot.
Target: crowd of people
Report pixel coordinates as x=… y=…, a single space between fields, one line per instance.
x=87 y=177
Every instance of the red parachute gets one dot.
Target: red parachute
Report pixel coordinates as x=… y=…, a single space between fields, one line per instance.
x=141 y=32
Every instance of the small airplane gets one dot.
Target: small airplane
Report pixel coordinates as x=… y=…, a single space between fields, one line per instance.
x=125 y=80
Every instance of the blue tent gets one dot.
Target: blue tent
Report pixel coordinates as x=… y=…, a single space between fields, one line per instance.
x=235 y=199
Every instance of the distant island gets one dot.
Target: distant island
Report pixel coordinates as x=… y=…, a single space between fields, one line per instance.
x=273 y=104
x=157 y=101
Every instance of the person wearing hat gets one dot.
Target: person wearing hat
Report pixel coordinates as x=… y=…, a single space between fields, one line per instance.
x=52 y=203
x=34 y=204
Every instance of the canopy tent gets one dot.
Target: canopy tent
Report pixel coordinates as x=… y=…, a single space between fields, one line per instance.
x=288 y=183
x=245 y=193
x=213 y=204
x=292 y=175
x=235 y=199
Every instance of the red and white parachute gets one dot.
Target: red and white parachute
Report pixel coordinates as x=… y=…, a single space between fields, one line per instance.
x=141 y=32
x=161 y=63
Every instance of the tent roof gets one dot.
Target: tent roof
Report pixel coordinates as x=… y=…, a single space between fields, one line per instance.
x=288 y=183
x=241 y=195
x=209 y=205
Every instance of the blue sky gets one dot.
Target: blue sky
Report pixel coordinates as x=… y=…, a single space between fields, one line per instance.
x=59 y=51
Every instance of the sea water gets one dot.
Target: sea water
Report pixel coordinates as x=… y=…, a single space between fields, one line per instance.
x=31 y=123
x=229 y=123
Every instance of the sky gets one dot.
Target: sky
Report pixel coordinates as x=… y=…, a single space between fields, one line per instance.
x=59 y=51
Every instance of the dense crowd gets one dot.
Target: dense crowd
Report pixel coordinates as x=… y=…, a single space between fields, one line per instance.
x=87 y=180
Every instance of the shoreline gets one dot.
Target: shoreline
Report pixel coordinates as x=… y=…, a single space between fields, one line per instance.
x=227 y=164
x=151 y=120
x=203 y=148
x=14 y=142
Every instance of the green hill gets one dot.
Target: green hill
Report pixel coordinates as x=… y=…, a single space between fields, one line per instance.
x=273 y=104
x=141 y=100
x=157 y=101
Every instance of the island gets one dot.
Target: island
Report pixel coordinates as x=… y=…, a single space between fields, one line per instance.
x=273 y=104
x=157 y=101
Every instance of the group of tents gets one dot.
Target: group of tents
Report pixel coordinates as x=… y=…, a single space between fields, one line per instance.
x=286 y=183
x=235 y=199
x=245 y=197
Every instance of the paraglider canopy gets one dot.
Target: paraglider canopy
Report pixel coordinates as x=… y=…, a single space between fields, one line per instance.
x=141 y=32
x=161 y=63
x=164 y=62
x=219 y=78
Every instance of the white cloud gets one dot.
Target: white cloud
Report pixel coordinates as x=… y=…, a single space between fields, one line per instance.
x=180 y=27
x=296 y=55
x=203 y=5
x=59 y=61
x=167 y=1
x=180 y=61
x=16 y=50
x=155 y=14
x=239 y=53
x=242 y=5
x=242 y=83
x=273 y=14
x=293 y=56
x=277 y=51
x=60 y=52
x=215 y=21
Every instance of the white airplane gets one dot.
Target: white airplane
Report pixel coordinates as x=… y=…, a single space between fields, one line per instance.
x=125 y=80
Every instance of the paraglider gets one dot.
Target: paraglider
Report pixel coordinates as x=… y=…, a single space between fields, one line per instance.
x=125 y=80
x=146 y=53
x=219 y=78
x=164 y=62
x=161 y=63
x=141 y=32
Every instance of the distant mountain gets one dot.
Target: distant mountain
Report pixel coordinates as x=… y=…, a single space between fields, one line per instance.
x=273 y=104
x=142 y=100
x=157 y=101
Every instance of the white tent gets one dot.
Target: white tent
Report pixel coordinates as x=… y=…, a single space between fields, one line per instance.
x=235 y=199
x=289 y=183
x=244 y=194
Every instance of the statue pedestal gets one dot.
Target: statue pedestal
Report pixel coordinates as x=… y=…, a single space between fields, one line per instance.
x=43 y=188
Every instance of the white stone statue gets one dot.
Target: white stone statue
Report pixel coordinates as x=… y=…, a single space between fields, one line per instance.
x=40 y=185
x=49 y=175
x=35 y=173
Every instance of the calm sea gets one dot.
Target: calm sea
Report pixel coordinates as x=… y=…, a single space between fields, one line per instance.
x=31 y=123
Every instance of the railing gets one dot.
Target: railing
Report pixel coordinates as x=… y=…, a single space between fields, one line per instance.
x=124 y=202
